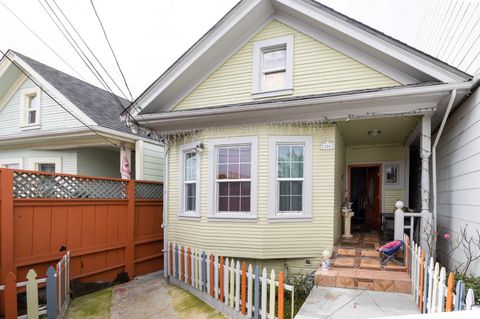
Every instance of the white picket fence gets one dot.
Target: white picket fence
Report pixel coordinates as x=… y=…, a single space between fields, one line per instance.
x=431 y=289
x=242 y=288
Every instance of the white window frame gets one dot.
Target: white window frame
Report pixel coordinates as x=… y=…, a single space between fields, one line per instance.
x=273 y=202
x=183 y=149
x=24 y=108
x=258 y=48
x=34 y=161
x=8 y=161
x=213 y=144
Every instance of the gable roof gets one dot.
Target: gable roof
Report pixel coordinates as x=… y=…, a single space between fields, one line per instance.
x=369 y=46
x=99 y=105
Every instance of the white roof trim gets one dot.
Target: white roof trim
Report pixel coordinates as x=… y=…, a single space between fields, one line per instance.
x=52 y=90
x=196 y=51
x=376 y=43
x=372 y=40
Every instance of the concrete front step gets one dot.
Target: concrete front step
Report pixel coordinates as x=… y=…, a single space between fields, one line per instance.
x=378 y=280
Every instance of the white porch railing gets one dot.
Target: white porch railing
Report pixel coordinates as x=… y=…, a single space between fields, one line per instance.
x=400 y=227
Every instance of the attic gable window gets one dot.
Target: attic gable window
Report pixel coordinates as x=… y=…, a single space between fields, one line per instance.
x=273 y=67
x=30 y=108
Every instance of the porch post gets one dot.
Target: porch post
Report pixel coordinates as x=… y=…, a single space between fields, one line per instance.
x=425 y=153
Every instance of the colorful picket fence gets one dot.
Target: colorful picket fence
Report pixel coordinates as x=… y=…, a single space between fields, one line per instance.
x=57 y=284
x=432 y=290
x=244 y=289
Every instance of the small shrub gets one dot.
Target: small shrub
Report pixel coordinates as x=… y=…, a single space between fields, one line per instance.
x=302 y=284
x=473 y=283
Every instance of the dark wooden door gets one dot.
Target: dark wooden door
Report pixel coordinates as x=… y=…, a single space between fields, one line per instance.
x=372 y=198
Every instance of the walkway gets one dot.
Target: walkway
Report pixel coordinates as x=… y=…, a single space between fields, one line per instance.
x=144 y=297
x=329 y=302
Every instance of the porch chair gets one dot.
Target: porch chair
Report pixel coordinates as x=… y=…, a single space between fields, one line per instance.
x=388 y=251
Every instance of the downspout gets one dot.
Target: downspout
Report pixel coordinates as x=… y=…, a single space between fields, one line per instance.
x=165 y=212
x=434 y=164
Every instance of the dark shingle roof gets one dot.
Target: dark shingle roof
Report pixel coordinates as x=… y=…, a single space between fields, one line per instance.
x=100 y=105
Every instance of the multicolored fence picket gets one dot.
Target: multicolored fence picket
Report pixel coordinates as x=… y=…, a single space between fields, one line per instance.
x=56 y=283
x=242 y=288
x=431 y=289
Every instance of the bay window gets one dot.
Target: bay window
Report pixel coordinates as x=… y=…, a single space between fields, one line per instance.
x=290 y=176
x=232 y=171
x=190 y=176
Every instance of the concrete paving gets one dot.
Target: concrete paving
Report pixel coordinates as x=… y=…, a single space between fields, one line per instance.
x=144 y=297
x=329 y=302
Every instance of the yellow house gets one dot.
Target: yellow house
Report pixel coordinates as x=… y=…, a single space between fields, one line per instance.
x=283 y=113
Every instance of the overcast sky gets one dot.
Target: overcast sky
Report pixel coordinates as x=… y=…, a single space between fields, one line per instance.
x=148 y=36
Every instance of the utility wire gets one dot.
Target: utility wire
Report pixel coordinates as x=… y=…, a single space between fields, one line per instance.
x=79 y=52
x=89 y=49
x=41 y=40
x=443 y=53
x=111 y=49
x=133 y=104
x=55 y=100
x=440 y=43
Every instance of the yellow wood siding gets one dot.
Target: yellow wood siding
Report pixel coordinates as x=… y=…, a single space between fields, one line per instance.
x=378 y=154
x=260 y=238
x=317 y=69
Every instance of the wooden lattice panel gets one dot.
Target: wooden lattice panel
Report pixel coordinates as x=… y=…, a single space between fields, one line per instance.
x=148 y=190
x=35 y=185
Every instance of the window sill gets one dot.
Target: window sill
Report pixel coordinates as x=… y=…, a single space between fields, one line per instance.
x=29 y=127
x=264 y=94
x=231 y=217
x=290 y=218
x=189 y=216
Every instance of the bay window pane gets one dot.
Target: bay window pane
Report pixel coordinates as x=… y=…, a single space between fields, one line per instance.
x=223 y=155
x=296 y=188
x=297 y=153
x=223 y=204
x=284 y=187
x=234 y=204
x=245 y=154
x=296 y=170
x=296 y=203
x=245 y=204
x=245 y=188
x=283 y=153
x=245 y=170
x=284 y=204
x=233 y=171
x=283 y=169
x=234 y=189
x=222 y=171
x=223 y=189
x=234 y=155
x=191 y=197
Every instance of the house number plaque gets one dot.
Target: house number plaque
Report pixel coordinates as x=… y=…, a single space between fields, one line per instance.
x=328 y=145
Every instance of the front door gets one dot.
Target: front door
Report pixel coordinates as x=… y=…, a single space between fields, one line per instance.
x=365 y=195
x=372 y=199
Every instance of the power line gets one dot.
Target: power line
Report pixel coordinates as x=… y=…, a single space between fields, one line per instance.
x=463 y=30
x=111 y=49
x=446 y=27
x=456 y=29
x=4 y=55
x=89 y=49
x=41 y=40
x=119 y=68
x=80 y=53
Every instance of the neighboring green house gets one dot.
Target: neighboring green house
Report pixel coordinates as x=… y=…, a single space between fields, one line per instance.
x=281 y=111
x=74 y=129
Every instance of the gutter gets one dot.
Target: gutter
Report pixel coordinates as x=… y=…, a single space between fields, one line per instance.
x=434 y=162
x=166 y=256
x=298 y=101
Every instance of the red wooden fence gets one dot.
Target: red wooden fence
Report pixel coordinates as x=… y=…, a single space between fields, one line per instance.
x=109 y=225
